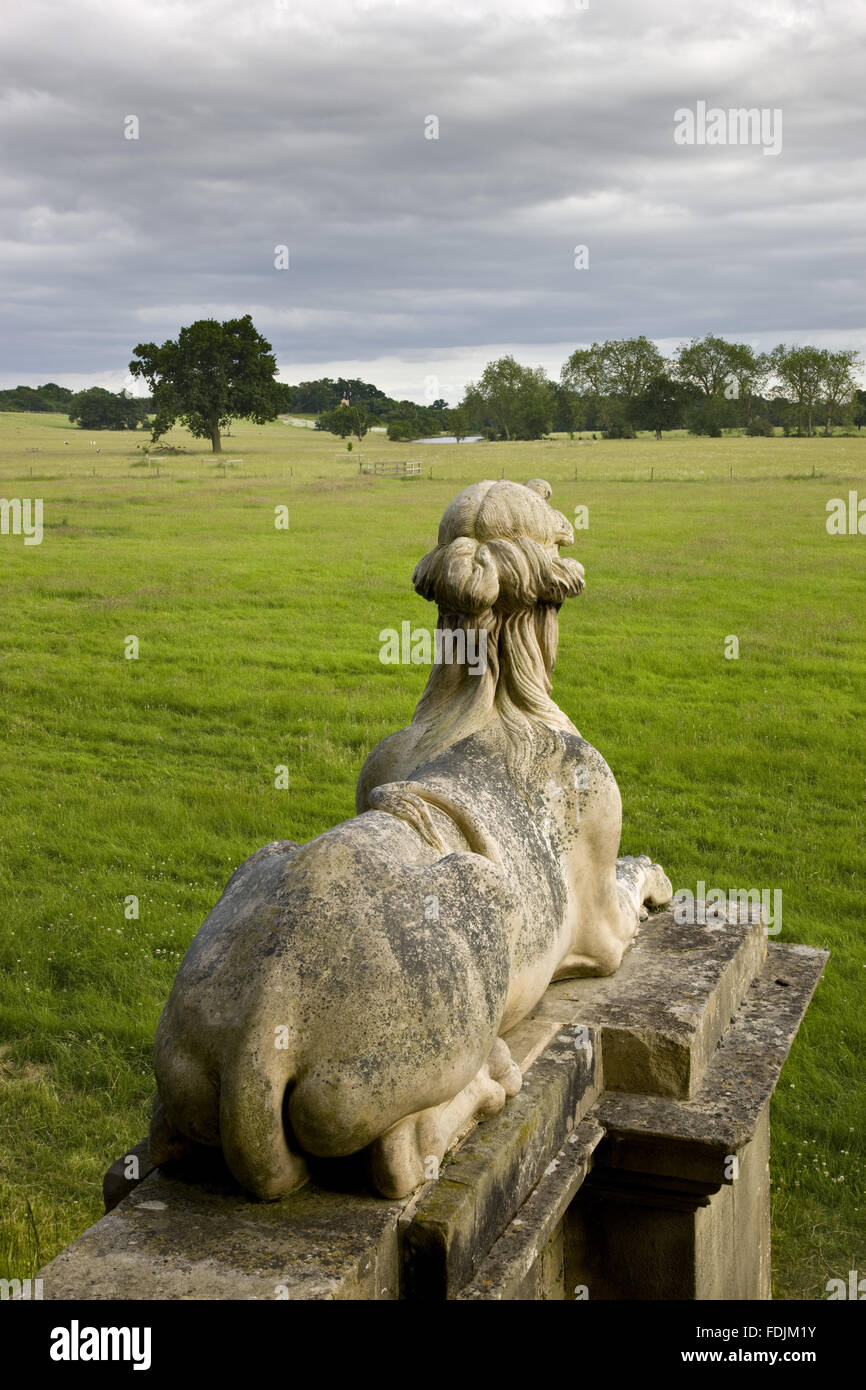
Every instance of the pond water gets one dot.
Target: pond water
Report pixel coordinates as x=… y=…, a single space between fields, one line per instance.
x=451 y=439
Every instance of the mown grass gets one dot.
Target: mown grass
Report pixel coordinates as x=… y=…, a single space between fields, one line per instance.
x=259 y=647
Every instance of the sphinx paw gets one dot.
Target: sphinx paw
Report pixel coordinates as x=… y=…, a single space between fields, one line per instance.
x=503 y=1068
x=657 y=886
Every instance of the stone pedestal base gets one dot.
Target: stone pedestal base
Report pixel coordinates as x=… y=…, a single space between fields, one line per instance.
x=633 y=1164
x=641 y=1236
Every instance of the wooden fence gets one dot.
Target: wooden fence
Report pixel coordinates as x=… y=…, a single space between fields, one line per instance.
x=391 y=467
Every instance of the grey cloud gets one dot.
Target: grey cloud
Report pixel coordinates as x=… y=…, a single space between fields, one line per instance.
x=305 y=125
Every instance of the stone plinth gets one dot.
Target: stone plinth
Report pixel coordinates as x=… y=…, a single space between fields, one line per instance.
x=632 y=1164
x=678 y=1202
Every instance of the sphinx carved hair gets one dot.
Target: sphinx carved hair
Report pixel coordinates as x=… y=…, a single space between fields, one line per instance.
x=497 y=570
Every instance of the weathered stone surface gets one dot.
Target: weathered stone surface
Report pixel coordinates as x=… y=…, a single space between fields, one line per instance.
x=529 y=1039
x=125 y=1174
x=657 y=1215
x=448 y=1231
x=691 y=1139
x=641 y=1236
x=663 y=1013
x=173 y=1239
x=526 y=1262
x=677 y=1204
x=545 y=1280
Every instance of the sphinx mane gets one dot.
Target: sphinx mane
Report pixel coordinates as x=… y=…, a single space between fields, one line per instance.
x=496 y=573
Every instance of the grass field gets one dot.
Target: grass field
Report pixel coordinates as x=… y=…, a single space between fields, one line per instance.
x=258 y=647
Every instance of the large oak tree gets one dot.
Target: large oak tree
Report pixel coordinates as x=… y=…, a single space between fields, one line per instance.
x=211 y=374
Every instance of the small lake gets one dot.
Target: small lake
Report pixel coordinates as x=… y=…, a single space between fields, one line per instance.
x=451 y=439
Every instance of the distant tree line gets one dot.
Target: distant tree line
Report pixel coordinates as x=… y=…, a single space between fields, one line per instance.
x=214 y=372
x=47 y=399
x=624 y=385
x=91 y=409
x=349 y=406
x=616 y=388
x=98 y=409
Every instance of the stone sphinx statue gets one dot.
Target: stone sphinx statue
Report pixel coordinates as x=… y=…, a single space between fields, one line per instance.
x=352 y=993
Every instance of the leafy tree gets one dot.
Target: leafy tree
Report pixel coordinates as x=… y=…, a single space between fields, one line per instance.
x=360 y=425
x=619 y=369
x=511 y=401
x=458 y=422
x=838 y=386
x=567 y=409
x=335 y=421
x=660 y=404
x=21 y=398
x=345 y=420
x=708 y=364
x=773 y=408
x=54 y=398
x=759 y=425
x=283 y=397
x=800 y=374
x=630 y=365
x=585 y=371
x=363 y=394
x=707 y=415
x=211 y=374
x=859 y=404
x=98 y=409
x=314 y=397
x=324 y=395
x=402 y=429
x=750 y=371
x=426 y=419
x=614 y=420
x=723 y=372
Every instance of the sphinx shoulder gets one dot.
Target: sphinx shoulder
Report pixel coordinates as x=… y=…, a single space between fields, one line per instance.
x=581 y=763
x=384 y=763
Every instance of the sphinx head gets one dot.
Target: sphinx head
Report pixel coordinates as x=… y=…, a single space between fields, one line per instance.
x=497 y=569
x=498 y=557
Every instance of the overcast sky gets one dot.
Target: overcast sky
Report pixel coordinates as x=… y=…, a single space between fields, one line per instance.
x=290 y=122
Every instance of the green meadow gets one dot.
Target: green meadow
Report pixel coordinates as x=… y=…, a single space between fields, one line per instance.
x=259 y=647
